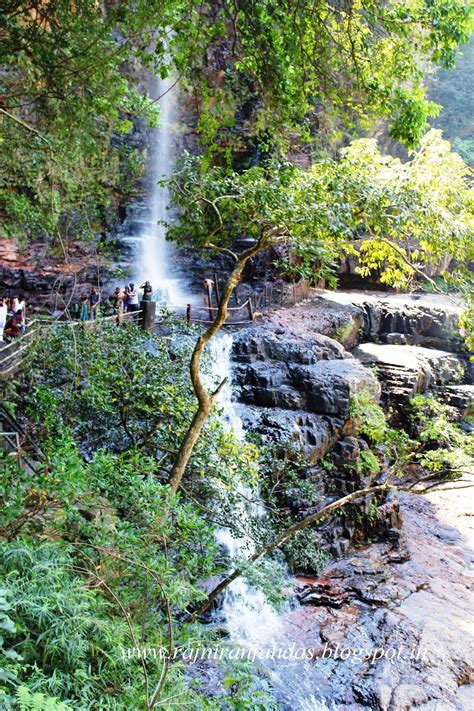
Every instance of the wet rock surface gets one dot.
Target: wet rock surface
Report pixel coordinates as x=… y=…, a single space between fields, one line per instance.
x=412 y=343
x=385 y=626
x=299 y=389
x=417 y=324
x=405 y=607
x=405 y=371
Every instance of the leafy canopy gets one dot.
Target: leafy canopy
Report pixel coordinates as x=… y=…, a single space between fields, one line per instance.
x=71 y=84
x=400 y=218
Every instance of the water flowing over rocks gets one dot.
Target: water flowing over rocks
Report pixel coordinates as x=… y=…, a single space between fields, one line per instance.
x=403 y=599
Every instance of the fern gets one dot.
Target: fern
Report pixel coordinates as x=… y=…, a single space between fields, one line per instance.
x=38 y=701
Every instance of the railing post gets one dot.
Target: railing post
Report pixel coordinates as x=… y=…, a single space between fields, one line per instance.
x=209 y=299
x=218 y=295
x=148 y=312
x=251 y=311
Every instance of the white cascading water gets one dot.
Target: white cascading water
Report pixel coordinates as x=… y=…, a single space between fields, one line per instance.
x=249 y=617
x=156 y=252
x=251 y=621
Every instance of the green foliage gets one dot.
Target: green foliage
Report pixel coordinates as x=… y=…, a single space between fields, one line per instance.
x=128 y=391
x=401 y=219
x=368 y=462
x=303 y=552
x=37 y=701
x=71 y=87
x=369 y=418
x=94 y=551
x=287 y=487
x=65 y=95
x=288 y=69
x=444 y=446
x=248 y=692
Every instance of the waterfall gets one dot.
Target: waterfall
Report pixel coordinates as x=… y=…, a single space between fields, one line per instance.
x=248 y=616
x=156 y=253
x=251 y=621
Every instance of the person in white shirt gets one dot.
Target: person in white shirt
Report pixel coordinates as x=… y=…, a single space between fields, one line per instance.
x=22 y=305
x=3 y=317
x=14 y=304
x=133 y=298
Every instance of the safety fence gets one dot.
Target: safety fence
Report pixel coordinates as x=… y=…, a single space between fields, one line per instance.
x=264 y=297
x=13 y=352
x=17 y=443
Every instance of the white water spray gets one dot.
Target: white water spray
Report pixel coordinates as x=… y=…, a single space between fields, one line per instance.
x=251 y=621
x=249 y=618
x=156 y=252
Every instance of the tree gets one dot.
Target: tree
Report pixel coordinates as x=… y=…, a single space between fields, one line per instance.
x=71 y=85
x=317 y=66
x=402 y=217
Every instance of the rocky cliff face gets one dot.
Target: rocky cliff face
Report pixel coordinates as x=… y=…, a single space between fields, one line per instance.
x=297 y=380
x=45 y=275
x=298 y=389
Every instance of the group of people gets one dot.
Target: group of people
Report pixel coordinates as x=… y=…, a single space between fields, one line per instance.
x=127 y=299
x=122 y=301
x=12 y=316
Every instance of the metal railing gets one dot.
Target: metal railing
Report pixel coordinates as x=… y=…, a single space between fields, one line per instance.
x=270 y=295
x=18 y=441
x=11 y=353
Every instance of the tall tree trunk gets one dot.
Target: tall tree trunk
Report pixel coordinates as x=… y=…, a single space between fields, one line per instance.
x=206 y=400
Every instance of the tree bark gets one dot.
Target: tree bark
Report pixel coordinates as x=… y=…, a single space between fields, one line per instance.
x=299 y=526
x=206 y=400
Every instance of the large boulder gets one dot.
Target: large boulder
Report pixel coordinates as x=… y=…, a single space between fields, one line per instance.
x=423 y=324
x=298 y=388
x=405 y=370
x=329 y=386
x=313 y=434
x=267 y=343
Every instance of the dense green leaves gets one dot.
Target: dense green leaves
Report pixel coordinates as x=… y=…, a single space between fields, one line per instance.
x=71 y=85
x=401 y=218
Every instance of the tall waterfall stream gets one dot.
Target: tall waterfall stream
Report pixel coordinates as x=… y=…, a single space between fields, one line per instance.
x=251 y=621
x=155 y=253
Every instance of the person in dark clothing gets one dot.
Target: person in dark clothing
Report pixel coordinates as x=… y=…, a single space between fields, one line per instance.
x=147 y=291
x=126 y=298
x=94 y=301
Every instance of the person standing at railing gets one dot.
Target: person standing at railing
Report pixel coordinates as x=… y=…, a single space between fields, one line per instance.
x=15 y=325
x=133 y=299
x=22 y=306
x=147 y=291
x=126 y=298
x=3 y=317
x=94 y=302
x=117 y=301
x=207 y=286
x=84 y=312
x=14 y=304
